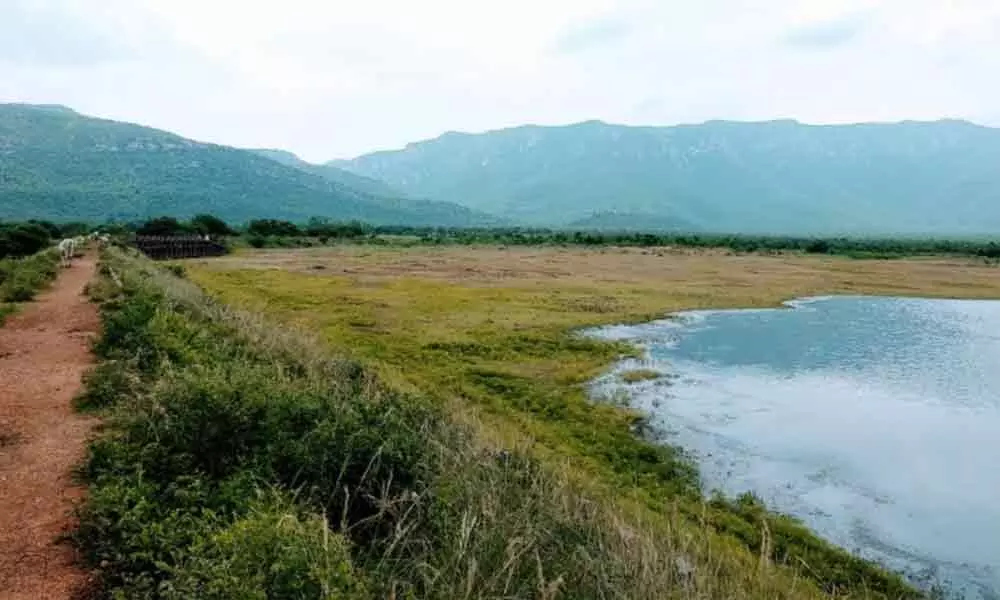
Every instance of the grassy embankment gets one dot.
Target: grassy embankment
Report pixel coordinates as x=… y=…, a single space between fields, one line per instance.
x=240 y=460
x=22 y=278
x=488 y=332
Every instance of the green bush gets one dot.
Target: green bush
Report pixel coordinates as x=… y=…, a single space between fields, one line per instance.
x=125 y=330
x=272 y=553
x=132 y=529
x=21 y=279
x=105 y=385
x=177 y=270
x=23 y=239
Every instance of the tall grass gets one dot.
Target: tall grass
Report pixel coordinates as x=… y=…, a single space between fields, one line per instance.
x=241 y=460
x=22 y=278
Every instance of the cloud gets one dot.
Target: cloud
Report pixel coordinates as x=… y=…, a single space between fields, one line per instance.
x=829 y=34
x=40 y=33
x=591 y=35
x=335 y=79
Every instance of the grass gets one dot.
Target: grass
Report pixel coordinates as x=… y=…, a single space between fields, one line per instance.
x=488 y=334
x=21 y=279
x=244 y=460
x=639 y=375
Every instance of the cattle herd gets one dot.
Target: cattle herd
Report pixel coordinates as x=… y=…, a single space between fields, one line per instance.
x=68 y=247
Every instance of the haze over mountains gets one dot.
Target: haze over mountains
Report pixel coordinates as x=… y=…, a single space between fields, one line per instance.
x=58 y=164
x=768 y=177
x=938 y=177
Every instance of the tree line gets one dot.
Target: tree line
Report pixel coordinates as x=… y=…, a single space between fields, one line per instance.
x=20 y=239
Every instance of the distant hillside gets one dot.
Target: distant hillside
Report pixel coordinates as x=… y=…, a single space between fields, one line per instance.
x=58 y=164
x=771 y=177
x=335 y=174
x=621 y=221
x=432 y=212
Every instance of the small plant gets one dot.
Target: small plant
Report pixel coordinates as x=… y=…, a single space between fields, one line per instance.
x=272 y=552
x=639 y=375
x=21 y=279
x=105 y=385
x=177 y=270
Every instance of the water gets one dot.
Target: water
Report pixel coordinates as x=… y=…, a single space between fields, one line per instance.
x=875 y=420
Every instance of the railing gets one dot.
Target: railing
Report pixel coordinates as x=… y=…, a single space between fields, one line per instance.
x=168 y=247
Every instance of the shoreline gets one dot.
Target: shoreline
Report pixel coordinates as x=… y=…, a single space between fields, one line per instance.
x=613 y=387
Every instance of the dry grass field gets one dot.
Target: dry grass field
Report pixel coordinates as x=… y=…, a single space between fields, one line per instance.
x=686 y=273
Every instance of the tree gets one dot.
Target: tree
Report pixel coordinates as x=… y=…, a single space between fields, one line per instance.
x=818 y=247
x=161 y=226
x=53 y=229
x=266 y=227
x=321 y=228
x=210 y=225
x=23 y=239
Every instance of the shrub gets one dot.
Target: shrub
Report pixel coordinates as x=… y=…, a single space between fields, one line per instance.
x=275 y=227
x=21 y=279
x=105 y=385
x=211 y=225
x=177 y=270
x=272 y=553
x=23 y=239
x=162 y=226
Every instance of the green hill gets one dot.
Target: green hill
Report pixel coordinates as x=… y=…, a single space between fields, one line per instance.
x=334 y=174
x=772 y=177
x=58 y=164
x=433 y=212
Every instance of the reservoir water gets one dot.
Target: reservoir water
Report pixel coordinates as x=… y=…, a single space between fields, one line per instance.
x=874 y=420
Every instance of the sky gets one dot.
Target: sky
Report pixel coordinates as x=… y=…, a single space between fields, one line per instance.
x=334 y=79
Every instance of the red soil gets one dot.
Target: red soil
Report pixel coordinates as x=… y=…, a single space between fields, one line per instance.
x=44 y=351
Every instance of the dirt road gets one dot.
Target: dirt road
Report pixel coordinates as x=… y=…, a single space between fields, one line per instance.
x=44 y=351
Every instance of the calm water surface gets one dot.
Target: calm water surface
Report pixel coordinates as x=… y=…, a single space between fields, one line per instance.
x=875 y=420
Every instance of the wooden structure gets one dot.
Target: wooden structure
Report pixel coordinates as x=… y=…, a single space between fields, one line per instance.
x=168 y=247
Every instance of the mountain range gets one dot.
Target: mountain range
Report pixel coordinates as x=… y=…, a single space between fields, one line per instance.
x=61 y=165
x=939 y=177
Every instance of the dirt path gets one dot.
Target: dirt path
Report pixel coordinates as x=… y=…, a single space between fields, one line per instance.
x=44 y=351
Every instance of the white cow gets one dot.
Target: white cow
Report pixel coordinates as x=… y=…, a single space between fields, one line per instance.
x=67 y=250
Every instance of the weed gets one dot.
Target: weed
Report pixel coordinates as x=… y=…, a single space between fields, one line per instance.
x=21 y=279
x=303 y=559
x=176 y=269
x=640 y=375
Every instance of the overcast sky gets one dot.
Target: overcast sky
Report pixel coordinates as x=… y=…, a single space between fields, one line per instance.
x=333 y=79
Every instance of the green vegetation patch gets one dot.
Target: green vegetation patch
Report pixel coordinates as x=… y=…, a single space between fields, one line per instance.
x=639 y=375
x=21 y=279
x=240 y=460
x=509 y=352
